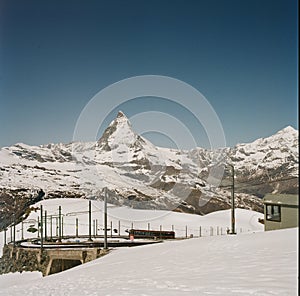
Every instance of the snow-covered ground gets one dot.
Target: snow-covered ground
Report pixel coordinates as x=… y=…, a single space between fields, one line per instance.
x=124 y=218
x=260 y=263
x=252 y=262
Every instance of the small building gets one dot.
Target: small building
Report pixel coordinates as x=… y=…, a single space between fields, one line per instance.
x=281 y=211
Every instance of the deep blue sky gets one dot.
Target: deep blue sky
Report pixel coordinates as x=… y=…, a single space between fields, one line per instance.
x=56 y=55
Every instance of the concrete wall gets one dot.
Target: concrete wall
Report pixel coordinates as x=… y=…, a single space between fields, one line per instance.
x=62 y=259
x=289 y=218
x=18 y=259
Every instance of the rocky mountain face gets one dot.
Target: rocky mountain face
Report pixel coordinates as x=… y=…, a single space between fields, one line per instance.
x=141 y=175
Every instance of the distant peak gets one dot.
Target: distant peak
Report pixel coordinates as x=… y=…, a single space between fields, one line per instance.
x=288 y=129
x=121 y=115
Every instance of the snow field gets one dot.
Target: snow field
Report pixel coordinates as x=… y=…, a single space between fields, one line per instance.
x=261 y=263
x=123 y=218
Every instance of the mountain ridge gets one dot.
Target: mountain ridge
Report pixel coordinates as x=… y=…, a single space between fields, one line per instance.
x=141 y=175
x=287 y=128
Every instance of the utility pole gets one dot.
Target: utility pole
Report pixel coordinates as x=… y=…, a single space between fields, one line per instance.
x=232 y=202
x=105 y=218
x=90 y=220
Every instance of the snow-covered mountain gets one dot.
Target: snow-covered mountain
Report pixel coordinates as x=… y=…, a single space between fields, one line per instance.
x=141 y=175
x=268 y=165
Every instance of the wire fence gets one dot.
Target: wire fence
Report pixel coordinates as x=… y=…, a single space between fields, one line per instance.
x=80 y=221
x=72 y=226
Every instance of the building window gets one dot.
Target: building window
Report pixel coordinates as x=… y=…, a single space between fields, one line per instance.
x=273 y=213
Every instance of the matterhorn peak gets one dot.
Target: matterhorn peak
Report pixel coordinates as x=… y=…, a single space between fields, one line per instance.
x=121 y=115
x=120 y=120
x=118 y=133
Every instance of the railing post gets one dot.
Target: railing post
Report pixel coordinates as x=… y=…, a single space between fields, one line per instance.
x=62 y=226
x=42 y=242
x=45 y=225
x=38 y=226
x=51 y=230
x=14 y=231
x=11 y=233
x=22 y=230
x=56 y=226
x=96 y=227
x=90 y=220
x=59 y=223
x=76 y=227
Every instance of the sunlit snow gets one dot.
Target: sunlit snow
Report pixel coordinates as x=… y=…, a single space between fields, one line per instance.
x=252 y=262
